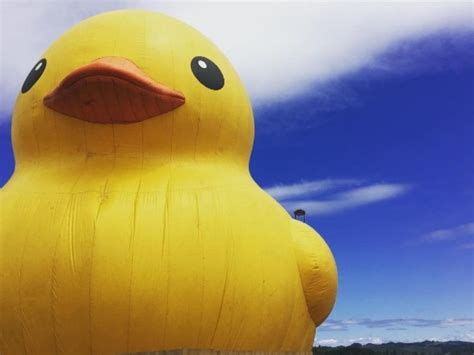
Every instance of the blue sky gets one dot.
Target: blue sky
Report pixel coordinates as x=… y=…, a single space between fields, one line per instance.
x=409 y=255
x=378 y=149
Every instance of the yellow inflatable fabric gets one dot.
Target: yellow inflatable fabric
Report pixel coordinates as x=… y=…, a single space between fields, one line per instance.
x=131 y=222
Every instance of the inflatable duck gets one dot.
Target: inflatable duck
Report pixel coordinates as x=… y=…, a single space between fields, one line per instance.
x=131 y=222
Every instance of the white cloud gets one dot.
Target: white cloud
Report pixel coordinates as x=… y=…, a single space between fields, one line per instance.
x=463 y=230
x=373 y=193
x=389 y=323
x=469 y=337
x=348 y=331
x=284 y=192
x=349 y=199
x=467 y=246
x=366 y=340
x=406 y=338
x=327 y=342
x=457 y=322
x=280 y=48
x=345 y=342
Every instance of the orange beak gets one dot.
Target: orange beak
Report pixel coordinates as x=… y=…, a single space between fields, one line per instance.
x=112 y=90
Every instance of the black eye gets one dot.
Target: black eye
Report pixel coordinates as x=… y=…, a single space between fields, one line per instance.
x=34 y=75
x=207 y=72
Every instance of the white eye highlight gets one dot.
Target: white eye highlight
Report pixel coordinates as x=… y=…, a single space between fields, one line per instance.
x=38 y=66
x=202 y=64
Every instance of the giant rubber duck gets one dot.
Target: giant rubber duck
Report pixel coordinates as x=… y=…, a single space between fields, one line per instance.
x=131 y=222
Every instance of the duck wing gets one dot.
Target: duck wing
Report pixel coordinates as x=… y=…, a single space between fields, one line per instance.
x=317 y=269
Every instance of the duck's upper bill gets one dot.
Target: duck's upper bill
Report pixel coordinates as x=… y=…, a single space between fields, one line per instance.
x=112 y=90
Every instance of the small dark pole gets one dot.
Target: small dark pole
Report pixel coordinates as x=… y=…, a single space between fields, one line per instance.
x=300 y=213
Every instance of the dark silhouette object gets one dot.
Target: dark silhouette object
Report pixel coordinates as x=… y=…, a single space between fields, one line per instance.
x=300 y=214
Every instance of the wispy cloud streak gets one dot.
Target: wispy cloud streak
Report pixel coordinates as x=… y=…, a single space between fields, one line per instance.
x=463 y=230
x=460 y=235
x=400 y=323
x=340 y=201
x=467 y=246
x=285 y=192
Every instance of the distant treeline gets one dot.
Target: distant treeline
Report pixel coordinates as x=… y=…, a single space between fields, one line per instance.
x=423 y=348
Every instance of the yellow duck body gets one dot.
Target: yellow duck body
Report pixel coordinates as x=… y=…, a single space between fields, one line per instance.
x=150 y=235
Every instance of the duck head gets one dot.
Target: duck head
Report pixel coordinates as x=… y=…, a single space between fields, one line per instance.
x=133 y=83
